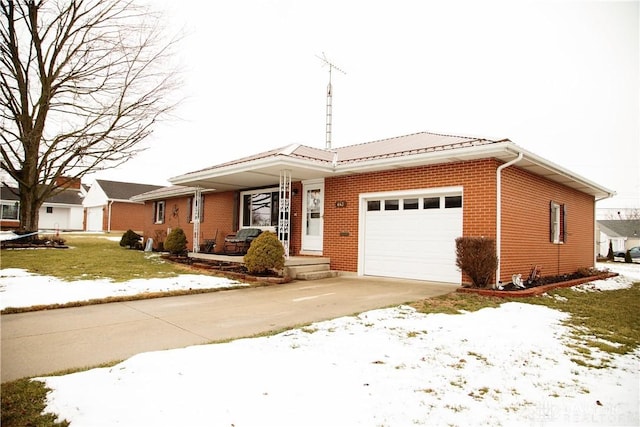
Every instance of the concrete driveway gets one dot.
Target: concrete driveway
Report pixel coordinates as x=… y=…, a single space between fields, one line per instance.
x=40 y=343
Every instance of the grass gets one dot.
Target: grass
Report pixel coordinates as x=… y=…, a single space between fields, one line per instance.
x=23 y=402
x=91 y=257
x=94 y=257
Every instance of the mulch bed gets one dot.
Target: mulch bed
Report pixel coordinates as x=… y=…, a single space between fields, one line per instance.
x=231 y=270
x=35 y=244
x=541 y=286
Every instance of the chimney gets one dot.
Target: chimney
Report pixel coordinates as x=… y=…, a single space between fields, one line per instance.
x=66 y=182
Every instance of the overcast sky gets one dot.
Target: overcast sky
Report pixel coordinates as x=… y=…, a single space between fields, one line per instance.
x=559 y=78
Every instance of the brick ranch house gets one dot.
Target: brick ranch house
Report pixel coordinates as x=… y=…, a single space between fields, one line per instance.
x=394 y=207
x=108 y=206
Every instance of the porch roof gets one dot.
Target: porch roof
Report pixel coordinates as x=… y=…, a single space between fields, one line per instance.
x=424 y=148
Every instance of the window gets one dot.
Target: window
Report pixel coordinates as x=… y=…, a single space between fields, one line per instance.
x=391 y=205
x=49 y=209
x=373 y=205
x=191 y=209
x=453 y=202
x=10 y=211
x=409 y=204
x=431 y=203
x=260 y=208
x=557 y=218
x=158 y=212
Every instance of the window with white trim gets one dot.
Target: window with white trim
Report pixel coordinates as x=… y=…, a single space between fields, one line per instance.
x=10 y=211
x=191 y=209
x=259 y=208
x=158 y=212
x=557 y=224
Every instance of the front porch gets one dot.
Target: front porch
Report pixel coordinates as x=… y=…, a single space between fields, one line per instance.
x=296 y=267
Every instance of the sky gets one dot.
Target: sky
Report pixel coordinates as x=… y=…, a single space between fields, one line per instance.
x=559 y=78
x=392 y=367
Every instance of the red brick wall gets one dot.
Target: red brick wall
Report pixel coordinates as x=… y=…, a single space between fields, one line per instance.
x=476 y=177
x=526 y=222
x=525 y=214
x=124 y=216
x=218 y=215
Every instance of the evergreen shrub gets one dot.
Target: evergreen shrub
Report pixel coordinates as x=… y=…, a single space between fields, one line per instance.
x=132 y=240
x=176 y=242
x=265 y=254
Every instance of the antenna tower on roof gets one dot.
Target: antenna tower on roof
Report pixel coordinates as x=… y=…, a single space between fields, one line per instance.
x=329 y=99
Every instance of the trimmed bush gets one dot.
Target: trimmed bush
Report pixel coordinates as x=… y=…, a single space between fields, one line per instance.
x=176 y=242
x=627 y=257
x=265 y=254
x=477 y=258
x=132 y=240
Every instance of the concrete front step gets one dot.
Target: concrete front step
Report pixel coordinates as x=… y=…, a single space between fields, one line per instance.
x=294 y=271
x=315 y=275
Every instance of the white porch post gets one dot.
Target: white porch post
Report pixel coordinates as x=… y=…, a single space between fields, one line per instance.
x=284 y=210
x=196 y=219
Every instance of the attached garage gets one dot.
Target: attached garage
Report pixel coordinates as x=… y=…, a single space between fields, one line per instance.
x=411 y=235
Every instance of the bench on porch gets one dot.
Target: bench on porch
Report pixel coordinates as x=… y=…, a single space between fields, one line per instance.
x=239 y=243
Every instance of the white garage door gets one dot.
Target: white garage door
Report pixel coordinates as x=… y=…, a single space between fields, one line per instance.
x=413 y=236
x=94 y=219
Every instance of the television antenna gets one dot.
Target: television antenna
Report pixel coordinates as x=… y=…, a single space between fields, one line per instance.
x=329 y=99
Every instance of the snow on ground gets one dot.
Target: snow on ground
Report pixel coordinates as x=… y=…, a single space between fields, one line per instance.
x=394 y=367
x=19 y=288
x=391 y=367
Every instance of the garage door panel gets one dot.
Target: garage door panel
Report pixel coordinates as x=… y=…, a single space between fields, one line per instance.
x=414 y=244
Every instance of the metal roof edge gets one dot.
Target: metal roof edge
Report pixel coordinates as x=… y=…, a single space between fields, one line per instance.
x=168 y=192
x=273 y=160
x=553 y=167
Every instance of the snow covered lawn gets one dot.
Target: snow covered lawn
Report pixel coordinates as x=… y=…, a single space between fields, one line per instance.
x=19 y=288
x=393 y=367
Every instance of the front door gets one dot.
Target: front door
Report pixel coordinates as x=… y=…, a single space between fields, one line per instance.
x=312 y=215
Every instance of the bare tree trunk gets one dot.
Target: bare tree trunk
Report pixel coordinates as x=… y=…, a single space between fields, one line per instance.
x=29 y=212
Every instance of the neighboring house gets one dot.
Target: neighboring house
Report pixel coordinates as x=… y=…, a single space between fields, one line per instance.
x=622 y=233
x=109 y=207
x=61 y=212
x=394 y=207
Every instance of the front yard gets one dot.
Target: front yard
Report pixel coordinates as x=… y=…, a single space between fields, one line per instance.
x=569 y=357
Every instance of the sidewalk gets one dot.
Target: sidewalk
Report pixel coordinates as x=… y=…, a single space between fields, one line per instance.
x=40 y=343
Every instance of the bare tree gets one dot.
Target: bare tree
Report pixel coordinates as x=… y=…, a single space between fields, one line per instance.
x=81 y=83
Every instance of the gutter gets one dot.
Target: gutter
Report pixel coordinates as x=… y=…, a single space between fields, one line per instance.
x=499 y=210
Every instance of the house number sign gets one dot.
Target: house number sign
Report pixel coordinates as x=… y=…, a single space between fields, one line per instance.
x=341 y=204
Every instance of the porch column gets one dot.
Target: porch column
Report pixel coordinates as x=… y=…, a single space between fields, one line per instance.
x=196 y=219
x=284 y=210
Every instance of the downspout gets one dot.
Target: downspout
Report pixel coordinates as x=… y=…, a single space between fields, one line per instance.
x=109 y=217
x=499 y=211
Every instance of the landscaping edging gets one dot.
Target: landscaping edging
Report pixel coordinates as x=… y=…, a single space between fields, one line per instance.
x=534 y=291
x=226 y=270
